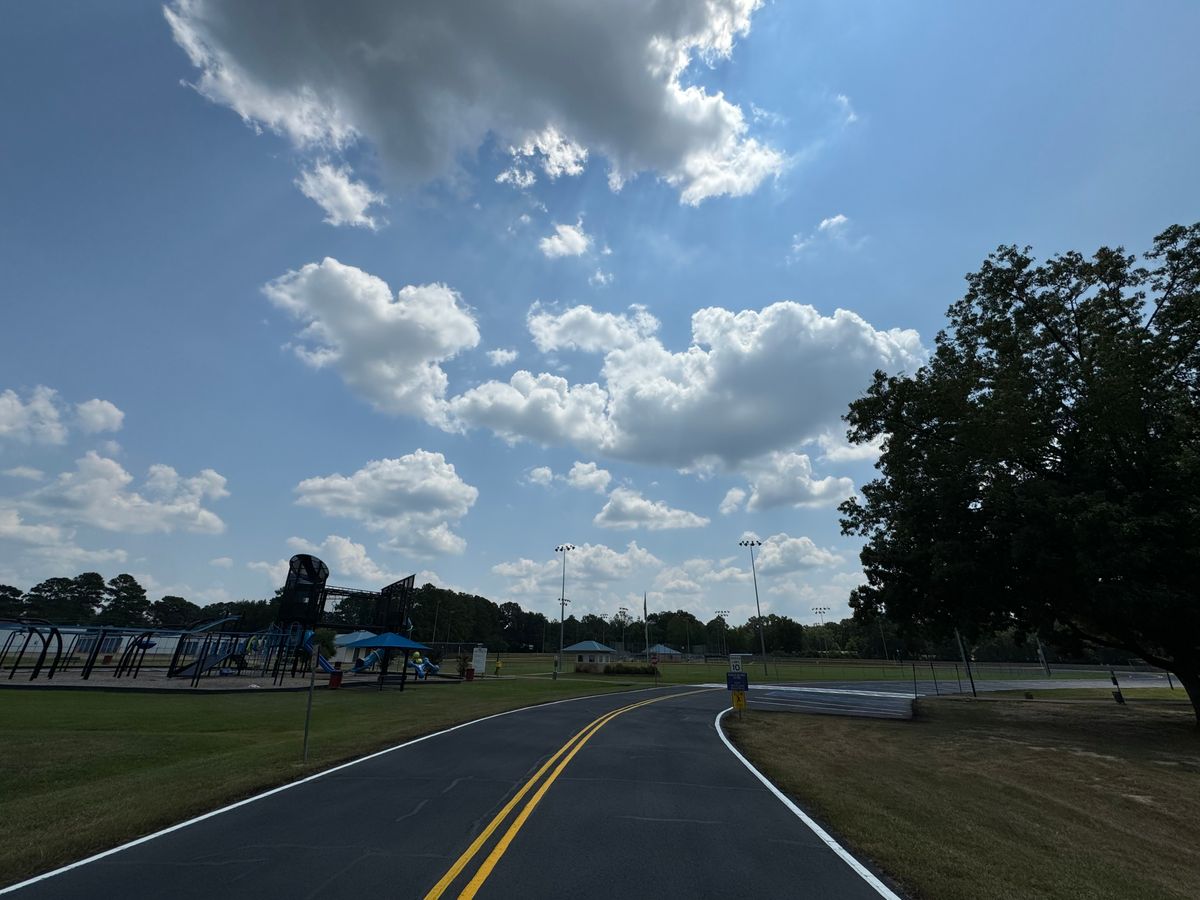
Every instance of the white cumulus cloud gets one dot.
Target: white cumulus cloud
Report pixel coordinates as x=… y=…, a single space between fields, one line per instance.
x=732 y=502
x=426 y=85
x=751 y=383
x=587 y=564
x=388 y=349
x=588 y=477
x=541 y=475
x=29 y=473
x=837 y=449
x=786 y=479
x=582 y=328
x=35 y=420
x=783 y=553
x=833 y=229
x=501 y=357
x=344 y=200
x=98 y=415
x=543 y=408
x=412 y=499
x=567 y=240
x=627 y=508
x=98 y=493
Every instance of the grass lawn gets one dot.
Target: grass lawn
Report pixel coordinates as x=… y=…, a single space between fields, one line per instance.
x=1003 y=799
x=84 y=771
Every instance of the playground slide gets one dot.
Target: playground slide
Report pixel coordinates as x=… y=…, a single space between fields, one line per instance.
x=371 y=659
x=204 y=665
x=329 y=668
x=424 y=669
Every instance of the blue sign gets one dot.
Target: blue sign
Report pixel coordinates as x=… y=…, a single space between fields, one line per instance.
x=737 y=681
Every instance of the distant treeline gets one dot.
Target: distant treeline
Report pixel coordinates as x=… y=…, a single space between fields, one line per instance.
x=441 y=615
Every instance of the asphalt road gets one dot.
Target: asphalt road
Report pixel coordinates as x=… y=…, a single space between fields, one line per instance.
x=651 y=803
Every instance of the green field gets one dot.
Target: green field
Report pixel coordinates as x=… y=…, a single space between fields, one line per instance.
x=995 y=800
x=84 y=771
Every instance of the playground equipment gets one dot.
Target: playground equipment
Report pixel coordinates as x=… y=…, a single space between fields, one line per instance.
x=211 y=646
x=302 y=611
x=325 y=665
x=423 y=667
x=31 y=628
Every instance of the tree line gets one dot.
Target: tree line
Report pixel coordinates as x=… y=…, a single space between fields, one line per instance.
x=438 y=615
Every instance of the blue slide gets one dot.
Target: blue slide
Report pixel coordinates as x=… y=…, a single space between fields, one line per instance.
x=424 y=668
x=328 y=667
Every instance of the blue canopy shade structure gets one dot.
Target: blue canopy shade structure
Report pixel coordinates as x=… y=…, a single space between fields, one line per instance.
x=387 y=641
x=343 y=639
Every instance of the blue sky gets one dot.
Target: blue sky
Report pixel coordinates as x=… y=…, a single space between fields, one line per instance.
x=218 y=352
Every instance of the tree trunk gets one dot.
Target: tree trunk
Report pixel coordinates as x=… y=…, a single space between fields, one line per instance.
x=1191 y=683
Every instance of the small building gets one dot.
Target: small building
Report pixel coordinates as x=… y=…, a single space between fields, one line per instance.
x=665 y=653
x=590 y=652
x=346 y=654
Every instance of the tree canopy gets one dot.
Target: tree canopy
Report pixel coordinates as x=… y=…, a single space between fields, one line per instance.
x=1042 y=471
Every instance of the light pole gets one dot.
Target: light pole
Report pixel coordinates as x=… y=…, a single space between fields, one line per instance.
x=624 y=613
x=564 y=549
x=819 y=612
x=762 y=637
x=721 y=614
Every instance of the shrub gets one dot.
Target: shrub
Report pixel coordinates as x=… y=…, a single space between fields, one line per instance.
x=626 y=668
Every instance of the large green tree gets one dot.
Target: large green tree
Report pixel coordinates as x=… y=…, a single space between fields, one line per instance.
x=66 y=601
x=1042 y=471
x=127 y=604
x=12 y=602
x=172 y=610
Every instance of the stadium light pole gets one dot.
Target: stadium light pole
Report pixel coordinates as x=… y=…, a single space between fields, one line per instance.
x=564 y=549
x=819 y=612
x=762 y=636
x=624 y=612
x=721 y=614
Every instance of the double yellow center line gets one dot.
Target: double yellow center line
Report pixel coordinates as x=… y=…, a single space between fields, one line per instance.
x=558 y=762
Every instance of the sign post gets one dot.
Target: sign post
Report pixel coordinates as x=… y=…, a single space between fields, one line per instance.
x=738 y=683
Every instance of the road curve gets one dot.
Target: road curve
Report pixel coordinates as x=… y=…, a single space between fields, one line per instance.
x=618 y=793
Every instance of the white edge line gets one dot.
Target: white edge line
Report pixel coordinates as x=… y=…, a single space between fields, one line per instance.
x=859 y=869
x=283 y=787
